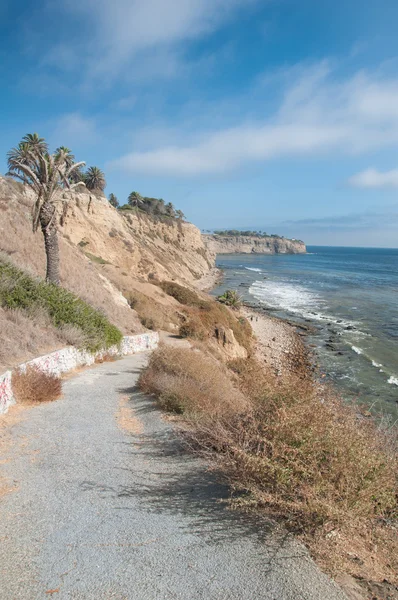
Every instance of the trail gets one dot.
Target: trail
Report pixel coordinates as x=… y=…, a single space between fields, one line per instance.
x=108 y=505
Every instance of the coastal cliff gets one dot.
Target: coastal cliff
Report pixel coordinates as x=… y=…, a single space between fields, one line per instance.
x=243 y=244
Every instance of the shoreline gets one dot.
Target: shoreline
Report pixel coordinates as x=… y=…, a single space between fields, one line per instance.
x=278 y=343
x=210 y=280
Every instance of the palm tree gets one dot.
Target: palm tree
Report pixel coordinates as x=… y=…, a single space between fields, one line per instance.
x=35 y=142
x=69 y=157
x=113 y=200
x=46 y=174
x=135 y=199
x=76 y=175
x=94 y=179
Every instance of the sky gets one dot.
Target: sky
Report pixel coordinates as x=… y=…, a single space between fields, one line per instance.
x=276 y=115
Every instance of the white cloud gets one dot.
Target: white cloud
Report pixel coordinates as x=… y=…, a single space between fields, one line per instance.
x=124 y=31
x=316 y=115
x=372 y=178
x=73 y=129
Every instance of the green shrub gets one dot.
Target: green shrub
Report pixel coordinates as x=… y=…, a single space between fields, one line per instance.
x=230 y=298
x=18 y=290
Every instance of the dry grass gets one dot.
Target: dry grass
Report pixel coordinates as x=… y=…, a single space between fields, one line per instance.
x=204 y=317
x=191 y=382
x=32 y=386
x=183 y=294
x=203 y=323
x=295 y=450
x=152 y=314
x=24 y=336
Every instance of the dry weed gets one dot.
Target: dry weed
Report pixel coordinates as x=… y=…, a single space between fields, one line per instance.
x=153 y=315
x=296 y=450
x=190 y=382
x=203 y=323
x=23 y=337
x=32 y=386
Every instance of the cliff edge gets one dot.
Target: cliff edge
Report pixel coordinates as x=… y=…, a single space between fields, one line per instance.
x=243 y=244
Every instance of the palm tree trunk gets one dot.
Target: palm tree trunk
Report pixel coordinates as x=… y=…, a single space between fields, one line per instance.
x=48 y=223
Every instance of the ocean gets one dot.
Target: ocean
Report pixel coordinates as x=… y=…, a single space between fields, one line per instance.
x=350 y=297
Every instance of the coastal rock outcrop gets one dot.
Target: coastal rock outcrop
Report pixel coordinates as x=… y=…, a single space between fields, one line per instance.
x=241 y=244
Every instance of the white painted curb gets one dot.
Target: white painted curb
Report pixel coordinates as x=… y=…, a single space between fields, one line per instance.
x=67 y=359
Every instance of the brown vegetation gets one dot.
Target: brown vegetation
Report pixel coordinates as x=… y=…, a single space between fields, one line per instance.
x=152 y=314
x=32 y=386
x=295 y=450
x=204 y=323
x=191 y=382
x=183 y=294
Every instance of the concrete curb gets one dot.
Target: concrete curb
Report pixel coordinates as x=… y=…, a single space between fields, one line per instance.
x=67 y=359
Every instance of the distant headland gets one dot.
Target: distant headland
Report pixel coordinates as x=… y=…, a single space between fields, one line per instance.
x=233 y=241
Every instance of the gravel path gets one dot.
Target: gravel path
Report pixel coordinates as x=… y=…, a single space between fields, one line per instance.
x=108 y=505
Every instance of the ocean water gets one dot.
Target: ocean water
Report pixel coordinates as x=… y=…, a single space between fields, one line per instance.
x=350 y=296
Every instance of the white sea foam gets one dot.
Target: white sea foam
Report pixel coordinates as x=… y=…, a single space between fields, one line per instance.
x=295 y=299
x=285 y=296
x=377 y=365
x=254 y=269
x=393 y=380
x=357 y=350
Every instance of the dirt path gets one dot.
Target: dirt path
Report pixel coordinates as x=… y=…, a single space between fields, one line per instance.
x=108 y=505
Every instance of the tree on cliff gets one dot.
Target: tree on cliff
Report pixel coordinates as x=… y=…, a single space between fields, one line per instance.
x=46 y=174
x=135 y=199
x=94 y=179
x=113 y=200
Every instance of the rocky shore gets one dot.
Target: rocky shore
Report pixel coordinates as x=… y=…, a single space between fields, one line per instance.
x=279 y=345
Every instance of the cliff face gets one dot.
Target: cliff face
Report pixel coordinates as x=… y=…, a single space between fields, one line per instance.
x=223 y=244
x=135 y=243
x=128 y=240
x=105 y=254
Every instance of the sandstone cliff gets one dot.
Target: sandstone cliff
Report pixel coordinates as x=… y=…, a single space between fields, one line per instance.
x=111 y=259
x=223 y=244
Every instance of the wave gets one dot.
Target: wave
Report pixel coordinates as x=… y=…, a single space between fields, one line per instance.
x=393 y=380
x=254 y=269
x=357 y=350
x=377 y=365
x=296 y=299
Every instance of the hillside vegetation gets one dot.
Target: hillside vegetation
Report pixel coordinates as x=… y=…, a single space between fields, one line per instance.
x=20 y=291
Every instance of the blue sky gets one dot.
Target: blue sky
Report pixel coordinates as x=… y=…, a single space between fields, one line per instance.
x=271 y=114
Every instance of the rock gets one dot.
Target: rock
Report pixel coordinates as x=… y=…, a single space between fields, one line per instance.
x=225 y=338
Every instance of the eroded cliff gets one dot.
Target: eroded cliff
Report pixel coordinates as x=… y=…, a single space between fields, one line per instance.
x=223 y=244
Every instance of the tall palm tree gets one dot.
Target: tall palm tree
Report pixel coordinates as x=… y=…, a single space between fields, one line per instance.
x=46 y=174
x=94 y=179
